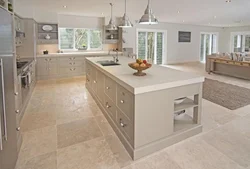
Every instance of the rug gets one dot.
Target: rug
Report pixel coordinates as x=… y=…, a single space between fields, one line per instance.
x=226 y=95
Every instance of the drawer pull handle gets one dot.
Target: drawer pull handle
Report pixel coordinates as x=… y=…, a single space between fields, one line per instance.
x=16 y=93
x=94 y=81
x=122 y=101
x=87 y=80
x=107 y=105
x=122 y=124
x=18 y=129
x=107 y=88
x=123 y=93
x=17 y=111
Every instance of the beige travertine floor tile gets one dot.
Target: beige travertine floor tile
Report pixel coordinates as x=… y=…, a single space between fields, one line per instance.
x=243 y=111
x=104 y=125
x=231 y=142
x=45 y=161
x=38 y=142
x=77 y=131
x=195 y=153
x=120 y=153
x=38 y=120
x=93 y=154
x=160 y=160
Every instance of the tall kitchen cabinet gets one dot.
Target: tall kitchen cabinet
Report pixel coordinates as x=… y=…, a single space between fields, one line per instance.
x=29 y=43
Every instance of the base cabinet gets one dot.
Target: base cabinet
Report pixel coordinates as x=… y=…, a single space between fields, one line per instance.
x=56 y=67
x=145 y=122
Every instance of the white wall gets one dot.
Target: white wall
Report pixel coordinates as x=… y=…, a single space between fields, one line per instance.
x=176 y=52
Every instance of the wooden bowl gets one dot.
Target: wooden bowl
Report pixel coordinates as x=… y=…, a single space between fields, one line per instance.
x=139 y=69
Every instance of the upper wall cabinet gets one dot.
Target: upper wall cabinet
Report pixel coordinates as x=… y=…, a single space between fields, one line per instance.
x=47 y=33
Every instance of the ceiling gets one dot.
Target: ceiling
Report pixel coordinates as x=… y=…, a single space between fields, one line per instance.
x=199 y=12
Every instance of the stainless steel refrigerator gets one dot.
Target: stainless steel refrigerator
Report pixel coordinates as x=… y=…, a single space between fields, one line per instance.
x=8 y=138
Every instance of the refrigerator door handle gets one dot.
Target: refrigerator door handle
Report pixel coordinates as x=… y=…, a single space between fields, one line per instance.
x=4 y=110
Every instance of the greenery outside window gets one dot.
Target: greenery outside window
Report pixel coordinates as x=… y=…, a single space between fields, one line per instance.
x=80 y=38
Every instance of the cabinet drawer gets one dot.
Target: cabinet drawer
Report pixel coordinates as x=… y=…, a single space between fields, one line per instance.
x=72 y=58
x=110 y=88
x=68 y=63
x=126 y=126
x=71 y=70
x=110 y=108
x=125 y=101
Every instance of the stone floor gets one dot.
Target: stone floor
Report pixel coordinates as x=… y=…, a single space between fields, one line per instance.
x=64 y=129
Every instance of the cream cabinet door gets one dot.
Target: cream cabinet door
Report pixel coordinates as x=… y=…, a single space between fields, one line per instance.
x=100 y=86
x=53 y=68
x=42 y=67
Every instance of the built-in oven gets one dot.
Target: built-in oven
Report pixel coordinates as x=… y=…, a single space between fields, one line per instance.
x=26 y=81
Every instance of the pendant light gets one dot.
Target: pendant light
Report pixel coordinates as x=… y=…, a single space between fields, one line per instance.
x=111 y=25
x=125 y=20
x=148 y=17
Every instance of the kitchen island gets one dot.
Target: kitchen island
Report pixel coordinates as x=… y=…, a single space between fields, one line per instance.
x=142 y=110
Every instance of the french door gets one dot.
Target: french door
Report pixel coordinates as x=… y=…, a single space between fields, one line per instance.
x=150 y=45
x=209 y=45
x=241 y=42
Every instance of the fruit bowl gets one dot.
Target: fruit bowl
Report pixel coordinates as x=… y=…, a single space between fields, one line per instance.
x=139 y=68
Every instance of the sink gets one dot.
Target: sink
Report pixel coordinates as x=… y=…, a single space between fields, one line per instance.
x=108 y=63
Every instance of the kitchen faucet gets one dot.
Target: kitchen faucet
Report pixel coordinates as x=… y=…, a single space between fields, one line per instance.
x=115 y=57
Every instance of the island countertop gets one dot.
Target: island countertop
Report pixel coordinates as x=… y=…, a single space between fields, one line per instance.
x=157 y=78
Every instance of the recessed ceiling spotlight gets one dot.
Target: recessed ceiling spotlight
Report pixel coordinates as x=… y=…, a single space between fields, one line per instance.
x=178 y=11
x=102 y=13
x=215 y=17
x=228 y=1
x=64 y=6
x=209 y=23
x=183 y=21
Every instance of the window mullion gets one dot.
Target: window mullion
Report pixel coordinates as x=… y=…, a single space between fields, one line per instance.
x=88 y=38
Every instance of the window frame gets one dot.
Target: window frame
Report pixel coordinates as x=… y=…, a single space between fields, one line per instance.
x=88 y=35
x=164 y=43
x=244 y=34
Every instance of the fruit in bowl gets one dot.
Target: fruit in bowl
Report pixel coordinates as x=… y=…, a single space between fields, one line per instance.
x=140 y=65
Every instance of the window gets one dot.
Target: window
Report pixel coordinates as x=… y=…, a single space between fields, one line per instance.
x=150 y=45
x=240 y=42
x=209 y=45
x=77 y=38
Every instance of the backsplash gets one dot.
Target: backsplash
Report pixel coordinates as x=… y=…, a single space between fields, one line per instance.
x=53 y=48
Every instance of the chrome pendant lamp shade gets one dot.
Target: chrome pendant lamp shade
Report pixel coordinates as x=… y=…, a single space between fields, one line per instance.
x=148 y=17
x=125 y=19
x=111 y=25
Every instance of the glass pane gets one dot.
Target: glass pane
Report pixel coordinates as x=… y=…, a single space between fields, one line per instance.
x=238 y=43
x=207 y=44
x=247 y=43
x=142 y=45
x=95 y=39
x=159 y=48
x=202 y=54
x=66 y=38
x=151 y=47
x=81 y=38
x=214 y=43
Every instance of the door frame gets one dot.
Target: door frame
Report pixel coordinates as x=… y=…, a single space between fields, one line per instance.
x=164 y=54
x=217 y=43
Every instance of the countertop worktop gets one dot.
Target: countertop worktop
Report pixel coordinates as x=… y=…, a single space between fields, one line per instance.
x=89 y=53
x=157 y=78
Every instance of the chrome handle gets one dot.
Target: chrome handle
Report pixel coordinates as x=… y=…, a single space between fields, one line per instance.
x=122 y=124
x=16 y=93
x=46 y=59
x=87 y=80
x=107 y=88
x=70 y=69
x=3 y=97
x=17 y=111
x=122 y=101
x=74 y=58
x=74 y=63
x=70 y=63
x=107 y=105
x=94 y=81
x=18 y=128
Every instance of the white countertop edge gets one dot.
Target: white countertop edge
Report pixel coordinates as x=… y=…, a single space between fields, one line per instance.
x=168 y=85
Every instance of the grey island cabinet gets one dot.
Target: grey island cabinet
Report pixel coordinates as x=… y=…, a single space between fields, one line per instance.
x=142 y=110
